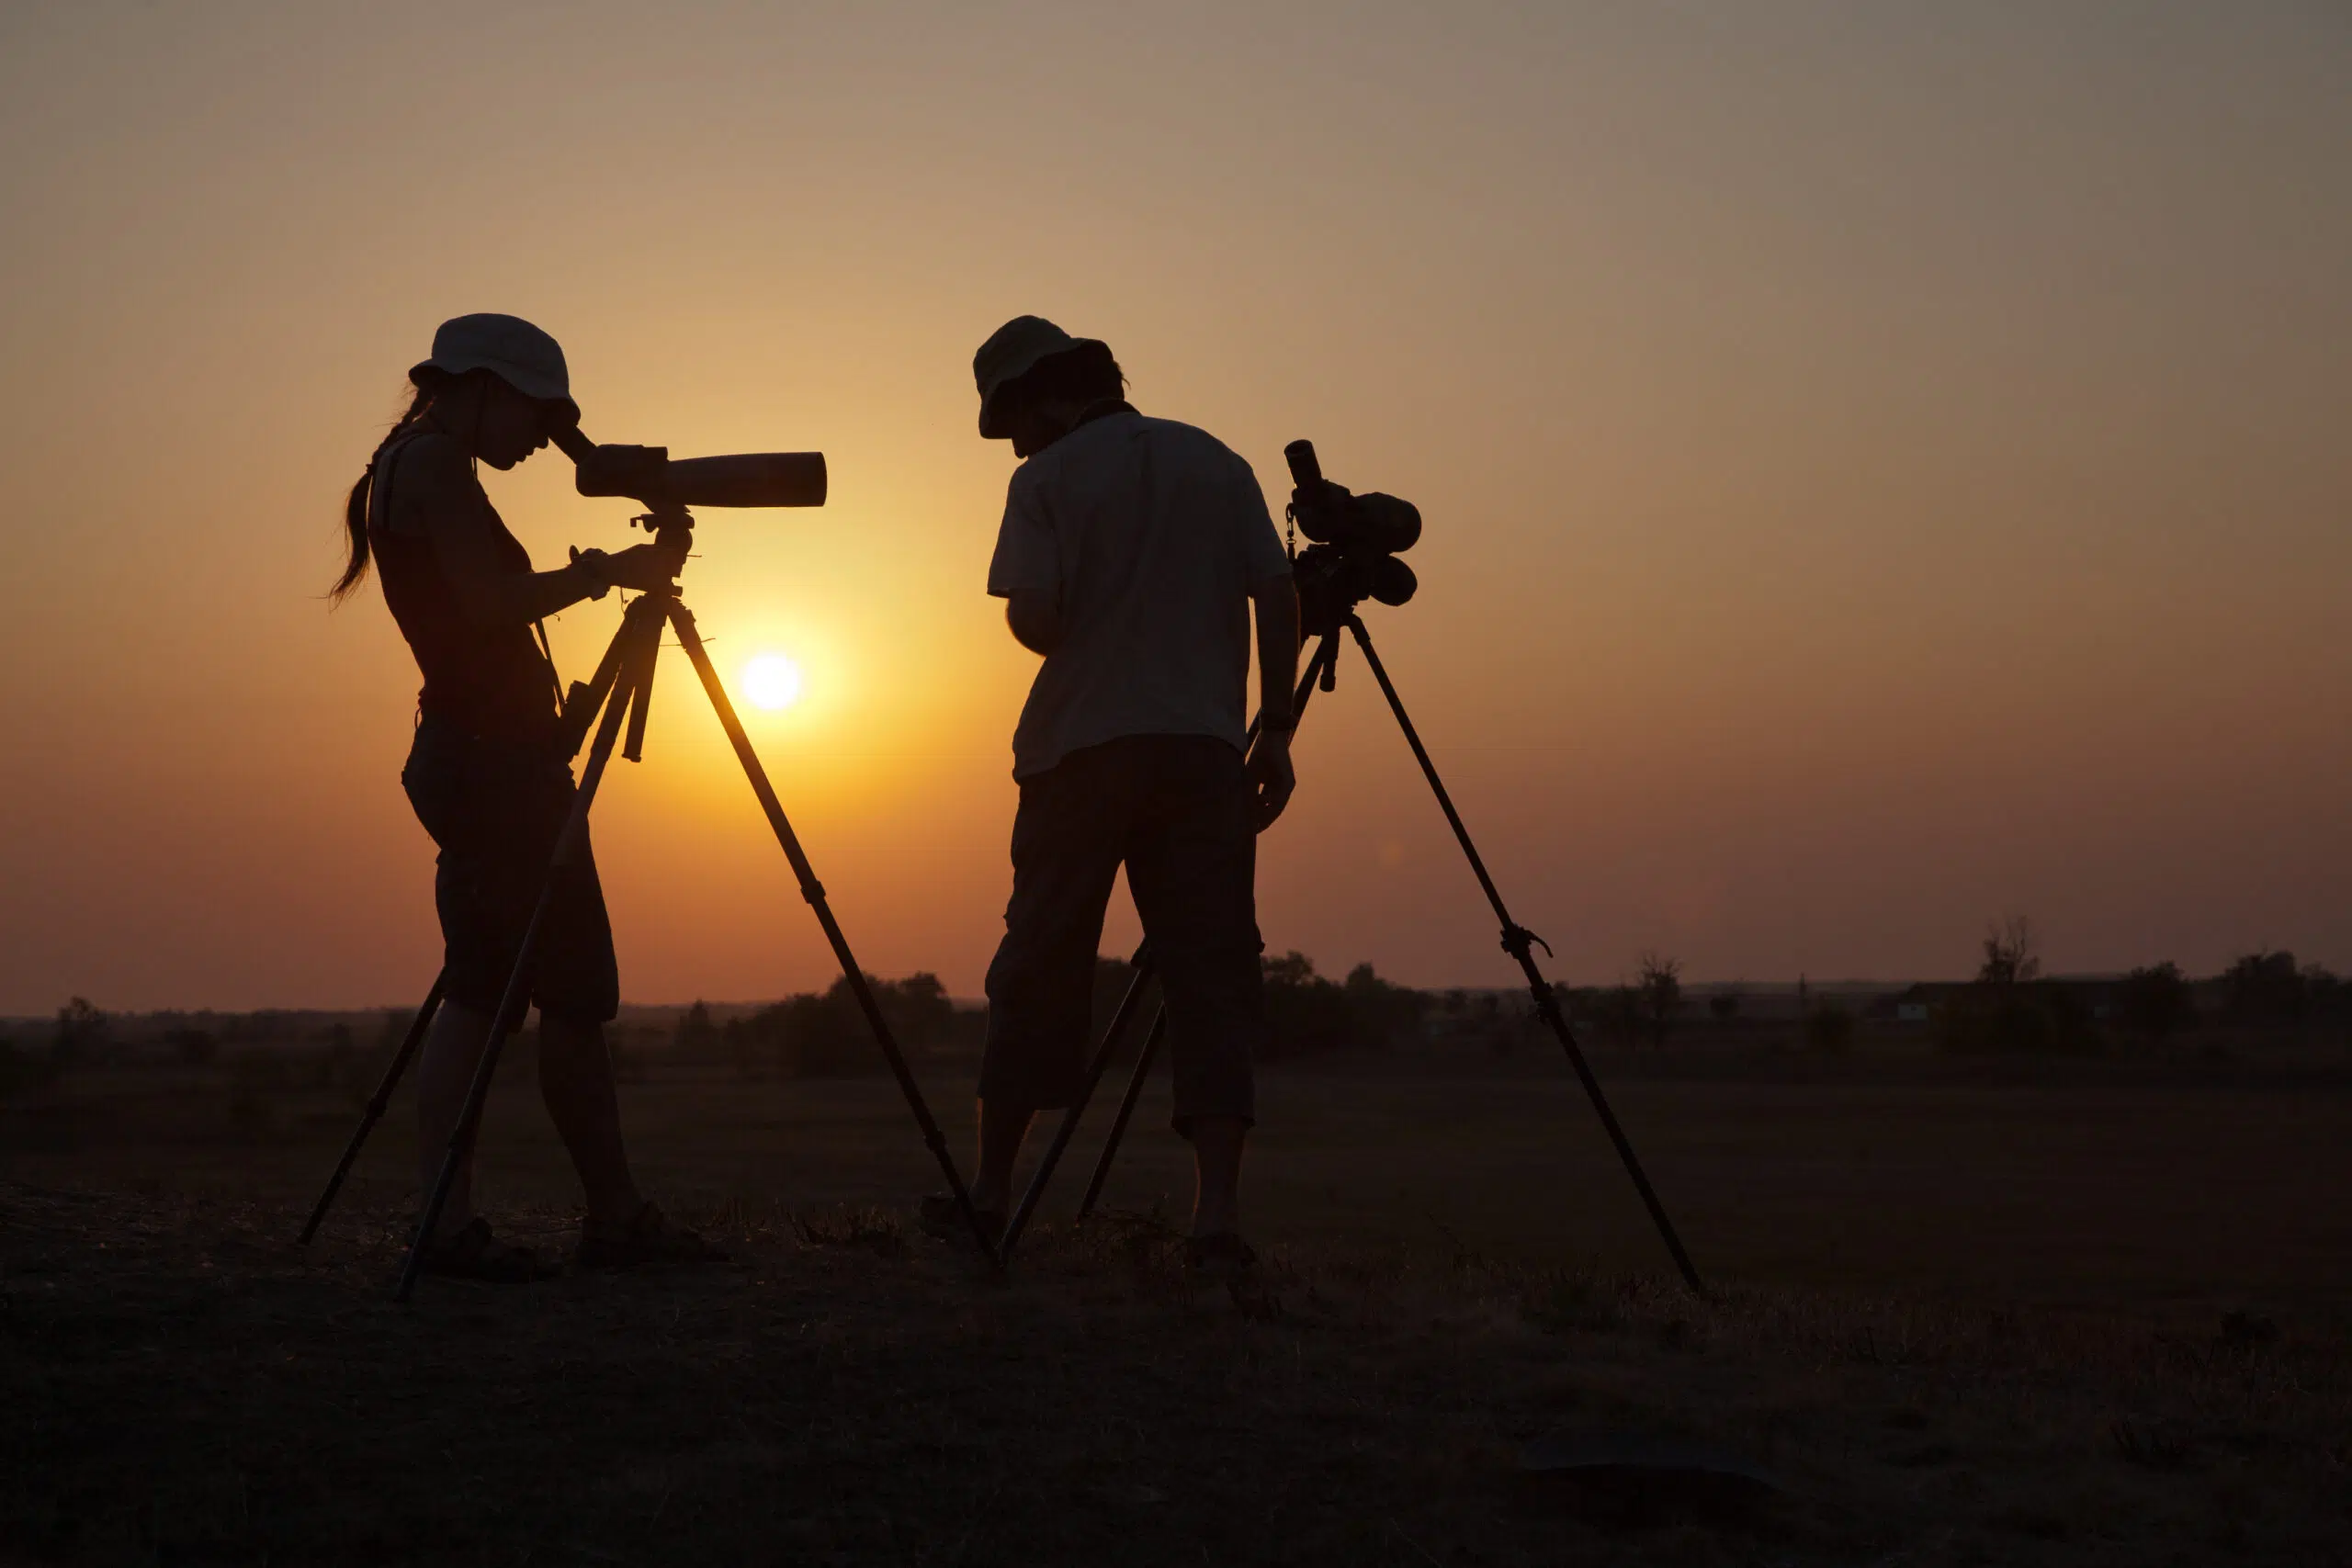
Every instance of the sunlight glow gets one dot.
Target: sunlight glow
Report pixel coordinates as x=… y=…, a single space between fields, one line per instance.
x=771 y=682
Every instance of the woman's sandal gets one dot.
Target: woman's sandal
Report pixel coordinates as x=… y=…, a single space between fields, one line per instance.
x=648 y=1237
x=1219 y=1258
x=473 y=1253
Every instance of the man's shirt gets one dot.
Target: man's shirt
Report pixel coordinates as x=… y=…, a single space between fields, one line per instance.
x=1148 y=535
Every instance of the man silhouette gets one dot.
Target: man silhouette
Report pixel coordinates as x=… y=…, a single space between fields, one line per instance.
x=1130 y=554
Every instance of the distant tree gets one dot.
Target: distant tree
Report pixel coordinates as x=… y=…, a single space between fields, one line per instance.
x=1724 y=1006
x=1658 y=984
x=2325 y=992
x=2155 y=1003
x=2263 y=988
x=81 y=1033
x=1305 y=1014
x=1291 y=969
x=1503 y=1029
x=828 y=1034
x=2012 y=954
x=694 y=1031
x=926 y=1001
x=2007 y=1011
x=1385 y=1014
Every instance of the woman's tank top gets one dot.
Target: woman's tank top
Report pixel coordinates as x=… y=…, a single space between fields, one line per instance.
x=490 y=682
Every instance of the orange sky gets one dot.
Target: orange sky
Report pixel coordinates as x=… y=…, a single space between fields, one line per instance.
x=1883 y=467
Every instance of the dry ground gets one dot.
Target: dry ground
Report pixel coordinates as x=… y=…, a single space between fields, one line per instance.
x=2065 y=1322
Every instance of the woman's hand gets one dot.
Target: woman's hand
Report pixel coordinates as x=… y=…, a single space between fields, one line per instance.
x=644 y=567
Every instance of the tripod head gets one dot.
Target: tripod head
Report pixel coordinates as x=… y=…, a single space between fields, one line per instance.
x=1356 y=540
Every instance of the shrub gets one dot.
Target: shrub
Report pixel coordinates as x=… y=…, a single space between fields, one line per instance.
x=827 y=1035
x=193 y=1047
x=2038 y=1020
x=2263 y=988
x=1830 y=1030
x=1614 y=1012
x=21 y=1069
x=258 y=1079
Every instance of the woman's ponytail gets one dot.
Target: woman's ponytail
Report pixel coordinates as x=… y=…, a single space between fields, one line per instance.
x=355 y=509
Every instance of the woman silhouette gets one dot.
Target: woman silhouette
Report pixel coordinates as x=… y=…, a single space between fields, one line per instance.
x=488 y=780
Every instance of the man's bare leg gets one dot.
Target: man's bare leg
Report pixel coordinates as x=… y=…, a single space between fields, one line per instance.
x=445 y=1071
x=576 y=1081
x=1216 y=1171
x=1002 y=1127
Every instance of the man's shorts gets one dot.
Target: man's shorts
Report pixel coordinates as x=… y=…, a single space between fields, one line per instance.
x=495 y=809
x=1175 y=809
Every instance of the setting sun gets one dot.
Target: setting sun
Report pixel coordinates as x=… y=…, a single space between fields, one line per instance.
x=771 y=682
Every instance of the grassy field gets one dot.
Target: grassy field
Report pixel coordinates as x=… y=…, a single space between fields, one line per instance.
x=2087 y=1316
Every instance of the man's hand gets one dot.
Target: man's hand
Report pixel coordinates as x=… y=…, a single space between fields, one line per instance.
x=1035 y=620
x=1271 y=779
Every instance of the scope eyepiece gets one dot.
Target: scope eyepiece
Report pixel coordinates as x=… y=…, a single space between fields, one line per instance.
x=1356 y=540
x=1329 y=515
x=640 y=473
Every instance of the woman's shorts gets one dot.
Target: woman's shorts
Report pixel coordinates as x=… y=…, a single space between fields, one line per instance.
x=496 y=809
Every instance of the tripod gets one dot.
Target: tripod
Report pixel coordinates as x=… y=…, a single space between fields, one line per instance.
x=623 y=688
x=1517 y=940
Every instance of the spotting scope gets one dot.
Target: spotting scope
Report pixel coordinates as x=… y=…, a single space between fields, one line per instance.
x=667 y=484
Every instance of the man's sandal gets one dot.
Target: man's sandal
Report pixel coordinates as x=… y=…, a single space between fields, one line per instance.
x=939 y=1215
x=1219 y=1258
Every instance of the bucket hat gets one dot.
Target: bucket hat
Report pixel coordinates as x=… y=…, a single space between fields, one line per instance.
x=509 y=347
x=1011 y=352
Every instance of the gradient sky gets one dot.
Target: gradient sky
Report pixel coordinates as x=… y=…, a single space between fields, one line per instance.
x=1885 y=466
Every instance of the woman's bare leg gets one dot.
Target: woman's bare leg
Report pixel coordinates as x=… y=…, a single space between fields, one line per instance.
x=445 y=1072
x=576 y=1081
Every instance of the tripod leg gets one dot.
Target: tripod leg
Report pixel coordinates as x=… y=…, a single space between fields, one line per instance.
x=587 y=699
x=1519 y=941
x=814 y=891
x=1319 y=672
x=1111 y=1035
x=646 y=625
x=376 y=1105
x=1126 y=1109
